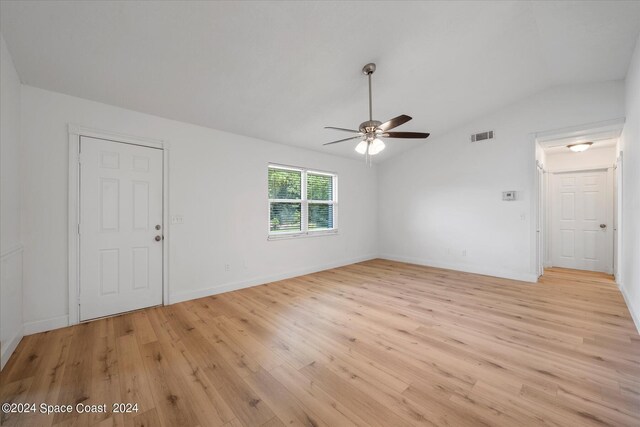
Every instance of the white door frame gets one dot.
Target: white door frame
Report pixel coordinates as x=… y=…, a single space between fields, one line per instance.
x=541 y=239
x=538 y=138
x=617 y=219
x=75 y=132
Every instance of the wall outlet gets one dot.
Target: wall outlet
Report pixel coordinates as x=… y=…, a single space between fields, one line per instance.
x=464 y=252
x=177 y=219
x=227 y=267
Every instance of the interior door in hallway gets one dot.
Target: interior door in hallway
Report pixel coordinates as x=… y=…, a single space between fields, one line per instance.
x=120 y=228
x=581 y=207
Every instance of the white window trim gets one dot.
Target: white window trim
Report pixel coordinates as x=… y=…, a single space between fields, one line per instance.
x=304 y=203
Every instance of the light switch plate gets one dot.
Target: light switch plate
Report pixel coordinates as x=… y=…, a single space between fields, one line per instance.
x=508 y=195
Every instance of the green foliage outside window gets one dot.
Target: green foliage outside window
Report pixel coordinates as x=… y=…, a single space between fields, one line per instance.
x=284 y=184
x=320 y=216
x=319 y=187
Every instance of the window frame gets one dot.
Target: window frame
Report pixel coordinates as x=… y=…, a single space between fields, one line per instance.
x=304 y=204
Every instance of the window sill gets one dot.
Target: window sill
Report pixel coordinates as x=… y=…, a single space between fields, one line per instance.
x=285 y=236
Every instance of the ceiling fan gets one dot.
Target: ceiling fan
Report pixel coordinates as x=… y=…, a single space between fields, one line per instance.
x=370 y=132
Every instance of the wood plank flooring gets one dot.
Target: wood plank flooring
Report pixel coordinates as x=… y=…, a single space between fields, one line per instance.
x=378 y=343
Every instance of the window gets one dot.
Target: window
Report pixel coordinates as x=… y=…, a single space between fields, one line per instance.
x=301 y=202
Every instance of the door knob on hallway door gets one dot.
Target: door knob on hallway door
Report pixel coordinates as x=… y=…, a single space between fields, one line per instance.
x=158 y=238
x=603 y=225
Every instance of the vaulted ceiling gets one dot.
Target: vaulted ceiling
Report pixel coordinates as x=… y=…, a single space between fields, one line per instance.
x=280 y=71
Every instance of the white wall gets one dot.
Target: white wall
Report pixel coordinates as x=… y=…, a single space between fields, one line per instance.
x=10 y=242
x=441 y=205
x=594 y=157
x=630 y=144
x=218 y=182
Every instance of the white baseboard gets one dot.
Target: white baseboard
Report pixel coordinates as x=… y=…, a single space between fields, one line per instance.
x=234 y=286
x=505 y=274
x=635 y=311
x=9 y=348
x=46 y=325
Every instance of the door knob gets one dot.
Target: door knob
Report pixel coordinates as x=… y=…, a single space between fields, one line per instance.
x=603 y=225
x=158 y=227
x=158 y=238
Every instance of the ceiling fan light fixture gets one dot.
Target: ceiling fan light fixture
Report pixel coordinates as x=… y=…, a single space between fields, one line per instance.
x=579 y=147
x=362 y=146
x=377 y=145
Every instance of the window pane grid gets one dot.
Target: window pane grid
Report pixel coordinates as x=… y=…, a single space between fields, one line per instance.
x=301 y=202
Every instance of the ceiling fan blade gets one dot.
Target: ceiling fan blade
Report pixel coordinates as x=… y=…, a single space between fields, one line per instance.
x=343 y=129
x=405 y=135
x=395 y=122
x=342 y=140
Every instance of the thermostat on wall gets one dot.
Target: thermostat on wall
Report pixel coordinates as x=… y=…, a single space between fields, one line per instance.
x=508 y=195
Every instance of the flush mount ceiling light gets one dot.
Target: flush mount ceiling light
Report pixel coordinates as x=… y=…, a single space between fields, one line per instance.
x=371 y=132
x=581 y=146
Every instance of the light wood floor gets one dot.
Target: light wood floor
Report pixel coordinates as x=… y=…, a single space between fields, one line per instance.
x=378 y=343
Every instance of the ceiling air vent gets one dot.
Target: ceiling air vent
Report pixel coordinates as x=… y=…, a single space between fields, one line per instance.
x=476 y=137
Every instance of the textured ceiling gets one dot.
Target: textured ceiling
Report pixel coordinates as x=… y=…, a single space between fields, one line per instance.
x=281 y=71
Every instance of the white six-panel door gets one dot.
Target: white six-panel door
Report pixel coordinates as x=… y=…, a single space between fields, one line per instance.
x=580 y=211
x=120 y=227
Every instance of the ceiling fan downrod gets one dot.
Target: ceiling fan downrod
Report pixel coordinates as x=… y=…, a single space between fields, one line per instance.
x=369 y=69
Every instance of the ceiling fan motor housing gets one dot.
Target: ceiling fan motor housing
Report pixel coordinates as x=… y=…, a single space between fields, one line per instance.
x=369 y=126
